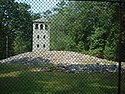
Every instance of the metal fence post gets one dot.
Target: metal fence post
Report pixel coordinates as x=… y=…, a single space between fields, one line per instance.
x=119 y=61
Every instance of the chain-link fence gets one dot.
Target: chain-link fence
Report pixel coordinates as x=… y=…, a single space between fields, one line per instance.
x=62 y=47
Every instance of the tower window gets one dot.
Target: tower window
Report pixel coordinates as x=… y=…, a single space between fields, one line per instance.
x=41 y=26
x=38 y=36
x=44 y=46
x=44 y=36
x=36 y=26
x=46 y=27
x=37 y=45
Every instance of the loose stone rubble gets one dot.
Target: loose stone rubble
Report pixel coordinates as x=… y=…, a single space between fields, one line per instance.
x=70 y=62
x=77 y=68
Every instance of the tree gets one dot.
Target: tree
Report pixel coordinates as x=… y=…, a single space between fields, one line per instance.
x=18 y=45
x=7 y=8
x=91 y=27
x=15 y=17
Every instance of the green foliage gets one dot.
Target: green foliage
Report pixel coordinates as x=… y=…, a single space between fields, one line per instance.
x=80 y=47
x=60 y=41
x=97 y=42
x=15 y=18
x=90 y=27
x=111 y=49
x=18 y=45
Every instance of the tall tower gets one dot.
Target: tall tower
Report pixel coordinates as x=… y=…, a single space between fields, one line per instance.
x=41 y=35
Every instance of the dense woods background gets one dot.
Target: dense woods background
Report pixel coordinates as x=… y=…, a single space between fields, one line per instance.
x=87 y=27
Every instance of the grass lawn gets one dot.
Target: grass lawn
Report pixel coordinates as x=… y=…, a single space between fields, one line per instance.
x=17 y=79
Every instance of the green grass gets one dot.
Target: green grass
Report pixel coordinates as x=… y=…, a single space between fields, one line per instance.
x=5 y=68
x=19 y=80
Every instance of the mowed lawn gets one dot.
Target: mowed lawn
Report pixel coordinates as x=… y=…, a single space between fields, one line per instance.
x=18 y=79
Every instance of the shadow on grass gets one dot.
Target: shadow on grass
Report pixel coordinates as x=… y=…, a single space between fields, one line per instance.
x=23 y=84
x=93 y=84
x=123 y=83
x=60 y=83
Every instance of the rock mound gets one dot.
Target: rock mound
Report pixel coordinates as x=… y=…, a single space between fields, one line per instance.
x=55 y=57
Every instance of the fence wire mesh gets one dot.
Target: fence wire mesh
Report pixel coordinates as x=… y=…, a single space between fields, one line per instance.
x=61 y=47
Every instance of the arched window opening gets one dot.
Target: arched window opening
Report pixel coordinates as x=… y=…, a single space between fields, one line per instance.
x=37 y=45
x=41 y=26
x=46 y=27
x=38 y=36
x=36 y=26
x=44 y=36
x=44 y=46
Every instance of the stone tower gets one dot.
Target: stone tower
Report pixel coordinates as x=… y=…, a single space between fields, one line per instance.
x=41 y=35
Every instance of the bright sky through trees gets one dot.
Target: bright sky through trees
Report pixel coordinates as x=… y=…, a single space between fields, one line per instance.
x=39 y=6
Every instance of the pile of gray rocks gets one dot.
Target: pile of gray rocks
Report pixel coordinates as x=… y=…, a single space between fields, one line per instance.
x=55 y=57
x=28 y=60
x=77 y=68
x=66 y=61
